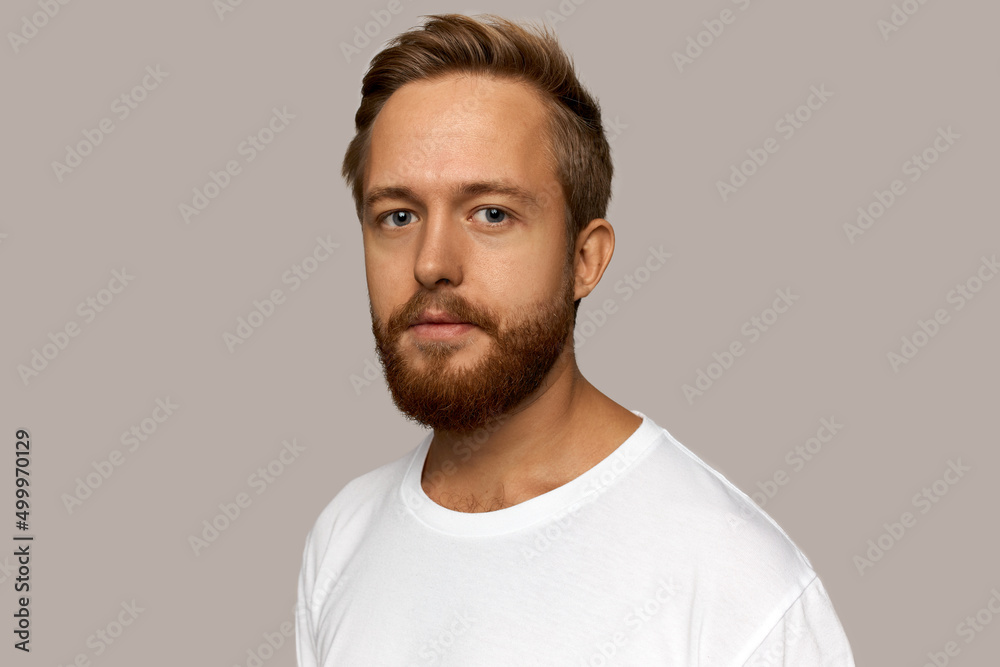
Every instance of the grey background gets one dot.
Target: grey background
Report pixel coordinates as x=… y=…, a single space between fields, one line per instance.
x=678 y=133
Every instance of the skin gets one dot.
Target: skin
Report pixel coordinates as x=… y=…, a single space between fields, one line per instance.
x=431 y=136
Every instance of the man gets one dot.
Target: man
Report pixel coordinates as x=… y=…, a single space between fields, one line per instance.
x=539 y=523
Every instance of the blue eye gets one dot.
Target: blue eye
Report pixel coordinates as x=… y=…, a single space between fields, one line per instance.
x=493 y=215
x=401 y=217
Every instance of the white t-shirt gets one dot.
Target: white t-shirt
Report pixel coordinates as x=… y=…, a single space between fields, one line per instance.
x=649 y=558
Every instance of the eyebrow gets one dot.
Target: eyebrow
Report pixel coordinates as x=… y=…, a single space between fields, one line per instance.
x=470 y=189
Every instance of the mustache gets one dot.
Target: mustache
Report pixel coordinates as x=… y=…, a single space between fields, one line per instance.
x=450 y=303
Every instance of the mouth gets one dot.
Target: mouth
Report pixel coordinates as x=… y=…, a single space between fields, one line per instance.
x=440 y=326
x=437 y=317
x=441 y=330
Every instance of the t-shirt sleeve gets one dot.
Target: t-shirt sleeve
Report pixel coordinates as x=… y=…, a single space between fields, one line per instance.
x=305 y=636
x=809 y=634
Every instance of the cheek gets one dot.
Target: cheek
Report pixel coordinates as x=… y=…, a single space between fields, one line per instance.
x=517 y=286
x=384 y=281
x=544 y=266
x=526 y=272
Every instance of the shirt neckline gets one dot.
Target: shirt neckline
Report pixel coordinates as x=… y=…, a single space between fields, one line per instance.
x=480 y=524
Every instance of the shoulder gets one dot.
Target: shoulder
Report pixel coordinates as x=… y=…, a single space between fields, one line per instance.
x=353 y=508
x=808 y=633
x=739 y=561
x=728 y=533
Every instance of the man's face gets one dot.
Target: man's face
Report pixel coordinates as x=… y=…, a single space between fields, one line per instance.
x=464 y=220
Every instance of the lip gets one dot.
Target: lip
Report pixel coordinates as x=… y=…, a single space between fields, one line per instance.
x=437 y=317
x=441 y=330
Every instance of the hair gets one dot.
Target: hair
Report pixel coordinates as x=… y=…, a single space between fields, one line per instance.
x=494 y=46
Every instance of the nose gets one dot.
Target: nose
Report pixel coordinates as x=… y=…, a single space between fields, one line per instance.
x=441 y=252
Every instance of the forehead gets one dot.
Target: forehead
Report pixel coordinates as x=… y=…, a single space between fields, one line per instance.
x=460 y=128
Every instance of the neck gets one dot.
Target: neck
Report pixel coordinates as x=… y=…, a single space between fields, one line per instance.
x=562 y=430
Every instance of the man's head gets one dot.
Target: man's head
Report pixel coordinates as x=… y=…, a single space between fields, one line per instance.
x=481 y=176
x=452 y=43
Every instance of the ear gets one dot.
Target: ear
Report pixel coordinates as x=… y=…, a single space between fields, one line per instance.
x=594 y=248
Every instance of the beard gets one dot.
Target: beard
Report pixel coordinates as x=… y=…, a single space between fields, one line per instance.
x=462 y=399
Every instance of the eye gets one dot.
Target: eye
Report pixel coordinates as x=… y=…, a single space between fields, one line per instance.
x=398 y=218
x=493 y=215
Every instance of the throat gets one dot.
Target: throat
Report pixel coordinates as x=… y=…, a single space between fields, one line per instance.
x=468 y=503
